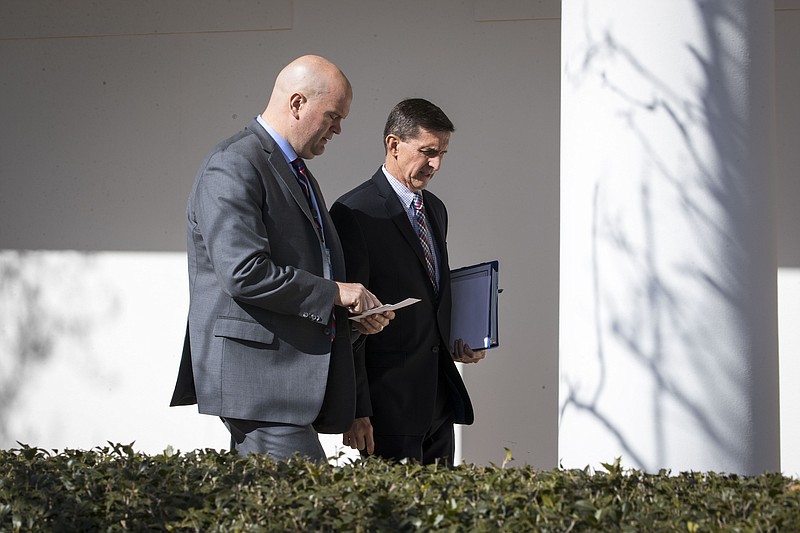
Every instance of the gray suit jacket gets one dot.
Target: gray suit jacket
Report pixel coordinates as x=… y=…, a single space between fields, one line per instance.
x=261 y=342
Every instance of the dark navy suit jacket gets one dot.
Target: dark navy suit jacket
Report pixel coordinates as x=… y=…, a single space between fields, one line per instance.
x=408 y=360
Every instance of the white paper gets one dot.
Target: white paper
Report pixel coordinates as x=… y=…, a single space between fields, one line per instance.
x=386 y=307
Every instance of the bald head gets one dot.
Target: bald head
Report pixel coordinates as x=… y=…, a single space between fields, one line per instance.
x=310 y=99
x=311 y=75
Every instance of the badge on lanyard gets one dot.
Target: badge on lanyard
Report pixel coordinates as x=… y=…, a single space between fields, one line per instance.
x=326 y=263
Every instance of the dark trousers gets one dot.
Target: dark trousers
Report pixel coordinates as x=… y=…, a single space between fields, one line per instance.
x=439 y=444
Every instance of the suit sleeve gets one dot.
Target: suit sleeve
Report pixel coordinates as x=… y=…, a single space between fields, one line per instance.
x=228 y=215
x=356 y=259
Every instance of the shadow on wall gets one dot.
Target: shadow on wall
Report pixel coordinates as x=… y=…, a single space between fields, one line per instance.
x=37 y=321
x=663 y=313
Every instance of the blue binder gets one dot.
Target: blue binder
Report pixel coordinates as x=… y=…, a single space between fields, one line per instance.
x=474 y=315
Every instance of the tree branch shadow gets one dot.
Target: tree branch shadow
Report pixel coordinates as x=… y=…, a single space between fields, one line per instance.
x=35 y=321
x=660 y=307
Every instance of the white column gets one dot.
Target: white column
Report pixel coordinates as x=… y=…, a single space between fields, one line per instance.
x=668 y=328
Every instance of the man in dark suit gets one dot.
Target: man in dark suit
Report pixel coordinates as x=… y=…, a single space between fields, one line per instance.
x=393 y=233
x=267 y=345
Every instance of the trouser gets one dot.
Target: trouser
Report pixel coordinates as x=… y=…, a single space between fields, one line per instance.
x=438 y=444
x=279 y=441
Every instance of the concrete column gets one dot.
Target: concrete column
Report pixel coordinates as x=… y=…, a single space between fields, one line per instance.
x=668 y=316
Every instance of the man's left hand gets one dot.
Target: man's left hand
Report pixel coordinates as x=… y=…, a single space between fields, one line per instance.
x=359 y=436
x=372 y=324
x=462 y=353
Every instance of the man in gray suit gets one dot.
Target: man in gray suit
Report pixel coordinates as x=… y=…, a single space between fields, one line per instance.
x=268 y=340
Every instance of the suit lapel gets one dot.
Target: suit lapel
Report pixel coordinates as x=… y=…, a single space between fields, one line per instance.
x=438 y=225
x=281 y=169
x=397 y=213
x=286 y=174
x=332 y=241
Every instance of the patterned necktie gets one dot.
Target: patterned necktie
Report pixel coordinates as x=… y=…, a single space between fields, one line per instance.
x=425 y=239
x=302 y=179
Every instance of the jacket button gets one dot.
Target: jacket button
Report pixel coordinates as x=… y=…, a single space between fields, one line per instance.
x=327 y=331
x=435 y=349
x=305 y=315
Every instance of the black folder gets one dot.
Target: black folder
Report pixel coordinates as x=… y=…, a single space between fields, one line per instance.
x=474 y=315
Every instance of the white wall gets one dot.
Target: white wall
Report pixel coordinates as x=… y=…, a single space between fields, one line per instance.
x=106 y=114
x=668 y=351
x=787 y=163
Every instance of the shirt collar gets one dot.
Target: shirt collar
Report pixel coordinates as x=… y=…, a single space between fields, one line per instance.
x=286 y=149
x=403 y=192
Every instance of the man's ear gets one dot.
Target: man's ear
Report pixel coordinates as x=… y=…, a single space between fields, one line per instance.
x=392 y=142
x=296 y=102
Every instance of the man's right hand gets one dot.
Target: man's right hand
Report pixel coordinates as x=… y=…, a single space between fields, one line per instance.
x=355 y=297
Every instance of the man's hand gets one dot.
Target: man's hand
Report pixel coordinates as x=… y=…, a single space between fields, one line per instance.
x=359 y=436
x=355 y=297
x=372 y=324
x=464 y=354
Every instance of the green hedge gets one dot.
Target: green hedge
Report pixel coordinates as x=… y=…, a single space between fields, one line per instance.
x=117 y=489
